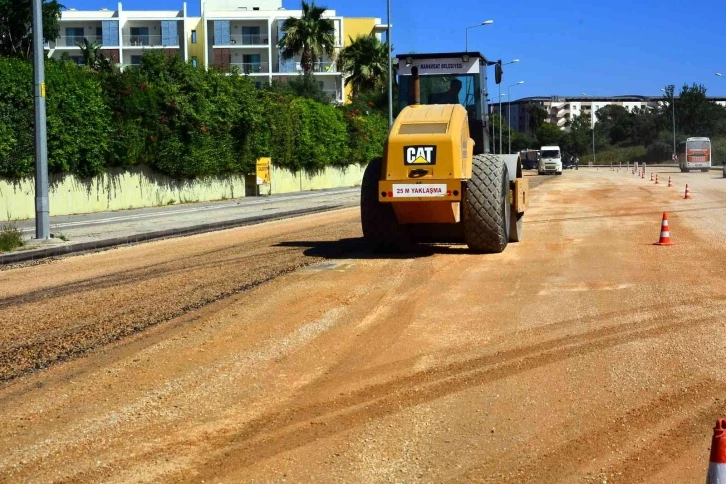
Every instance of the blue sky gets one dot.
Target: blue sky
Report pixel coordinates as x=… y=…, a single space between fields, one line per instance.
x=565 y=47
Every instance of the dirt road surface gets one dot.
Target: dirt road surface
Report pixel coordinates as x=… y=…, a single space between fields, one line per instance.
x=287 y=352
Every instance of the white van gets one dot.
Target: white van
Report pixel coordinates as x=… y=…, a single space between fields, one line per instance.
x=551 y=160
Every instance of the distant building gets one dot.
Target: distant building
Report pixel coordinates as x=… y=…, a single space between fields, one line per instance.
x=239 y=33
x=563 y=109
x=125 y=35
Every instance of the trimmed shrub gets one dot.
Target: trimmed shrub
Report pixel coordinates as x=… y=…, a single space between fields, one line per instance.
x=179 y=120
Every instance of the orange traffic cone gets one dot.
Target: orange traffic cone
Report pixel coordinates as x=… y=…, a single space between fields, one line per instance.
x=717 y=461
x=651 y=176
x=665 y=235
x=688 y=193
x=656 y=179
x=642 y=175
x=670 y=183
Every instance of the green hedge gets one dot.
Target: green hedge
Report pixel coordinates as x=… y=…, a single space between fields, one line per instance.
x=182 y=121
x=78 y=120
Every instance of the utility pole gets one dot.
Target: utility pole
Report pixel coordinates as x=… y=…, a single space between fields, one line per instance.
x=592 y=120
x=390 y=67
x=509 y=115
x=500 y=118
x=42 y=221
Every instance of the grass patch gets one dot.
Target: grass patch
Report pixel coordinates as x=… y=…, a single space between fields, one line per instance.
x=10 y=237
x=617 y=155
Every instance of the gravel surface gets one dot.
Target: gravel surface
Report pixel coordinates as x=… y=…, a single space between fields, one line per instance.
x=83 y=302
x=582 y=354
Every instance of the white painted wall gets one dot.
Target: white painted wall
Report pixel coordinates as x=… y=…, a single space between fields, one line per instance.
x=122 y=190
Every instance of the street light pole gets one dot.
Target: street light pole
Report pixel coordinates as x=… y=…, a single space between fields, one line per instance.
x=390 y=66
x=500 y=108
x=672 y=92
x=500 y=119
x=592 y=121
x=42 y=221
x=486 y=22
x=509 y=115
x=500 y=124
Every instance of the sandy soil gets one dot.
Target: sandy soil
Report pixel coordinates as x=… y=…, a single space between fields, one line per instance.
x=287 y=352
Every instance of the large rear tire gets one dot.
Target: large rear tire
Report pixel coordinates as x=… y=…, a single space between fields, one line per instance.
x=487 y=208
x=381 y=229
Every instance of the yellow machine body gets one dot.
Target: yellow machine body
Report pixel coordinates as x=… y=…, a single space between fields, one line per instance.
x=427 y=161
x=428 y=157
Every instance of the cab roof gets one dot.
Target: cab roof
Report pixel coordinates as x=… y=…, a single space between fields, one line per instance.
x=444 y=55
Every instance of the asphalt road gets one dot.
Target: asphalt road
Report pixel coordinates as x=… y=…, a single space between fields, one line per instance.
x=96 y=226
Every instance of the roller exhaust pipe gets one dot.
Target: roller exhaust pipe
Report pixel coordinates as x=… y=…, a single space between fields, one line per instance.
x=416 y=85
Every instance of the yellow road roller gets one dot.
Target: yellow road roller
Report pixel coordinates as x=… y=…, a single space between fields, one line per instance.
x=436 y=181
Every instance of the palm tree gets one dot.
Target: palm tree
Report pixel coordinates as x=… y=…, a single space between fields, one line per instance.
x=365 y=60
x=311 y=35
x=93 y=58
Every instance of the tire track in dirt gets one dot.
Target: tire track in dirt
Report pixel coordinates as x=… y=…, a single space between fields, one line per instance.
x=606 y=439
x=282 y=431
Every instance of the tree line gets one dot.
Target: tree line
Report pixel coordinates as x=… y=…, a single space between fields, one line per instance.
x=179 y=120
x=643 y=134
x=184 y=121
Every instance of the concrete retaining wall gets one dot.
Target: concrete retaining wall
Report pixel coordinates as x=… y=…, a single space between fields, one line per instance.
x=284 y=181
x=138 y=188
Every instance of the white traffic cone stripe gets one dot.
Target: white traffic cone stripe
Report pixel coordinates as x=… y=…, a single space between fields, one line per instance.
x=665 y=223
x=716 y=473
x=665 y=233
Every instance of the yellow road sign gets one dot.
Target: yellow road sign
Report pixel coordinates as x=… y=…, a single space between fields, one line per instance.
x=263 y=171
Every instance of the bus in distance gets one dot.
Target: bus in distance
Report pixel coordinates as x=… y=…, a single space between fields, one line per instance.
x=694 y=154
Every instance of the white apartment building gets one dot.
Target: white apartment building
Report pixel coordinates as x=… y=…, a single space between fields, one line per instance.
x=230 y=33
x=245 y=33
x=125 y=35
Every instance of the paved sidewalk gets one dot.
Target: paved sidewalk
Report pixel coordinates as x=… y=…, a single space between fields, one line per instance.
x=107 y=229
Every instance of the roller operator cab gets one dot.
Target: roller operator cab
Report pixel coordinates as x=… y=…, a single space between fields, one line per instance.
x=434 y=182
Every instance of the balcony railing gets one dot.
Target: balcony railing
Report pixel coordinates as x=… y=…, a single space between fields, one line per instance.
x=72 y=41
x=252 y=67
x=148 y=41
x=317 y=67
x=255 y=39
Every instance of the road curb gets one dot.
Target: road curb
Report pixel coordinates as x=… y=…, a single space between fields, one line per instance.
x=44 y=253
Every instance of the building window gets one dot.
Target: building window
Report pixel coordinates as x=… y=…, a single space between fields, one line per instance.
x=251 y=36
x=139 y=35
x=251 y=63
x=194 y=61
x=194 y=36
x=74 y=35
x=135 y=60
